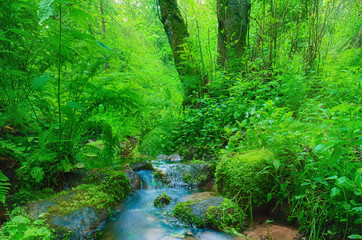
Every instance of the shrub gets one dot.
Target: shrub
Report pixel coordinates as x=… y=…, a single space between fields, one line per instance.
x=22 y=227
x=245 y=176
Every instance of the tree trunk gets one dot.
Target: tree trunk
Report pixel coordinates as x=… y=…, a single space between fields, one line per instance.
x=233 y=18
x=177 y=34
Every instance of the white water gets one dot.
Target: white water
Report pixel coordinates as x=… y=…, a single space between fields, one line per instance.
x=138 y=219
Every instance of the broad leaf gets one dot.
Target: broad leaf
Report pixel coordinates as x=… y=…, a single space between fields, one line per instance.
x=46 y=9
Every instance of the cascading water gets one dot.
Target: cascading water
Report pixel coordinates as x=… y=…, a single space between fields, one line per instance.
x=138 y=219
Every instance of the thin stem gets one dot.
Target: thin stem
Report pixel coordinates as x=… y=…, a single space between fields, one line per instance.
x=59 y=71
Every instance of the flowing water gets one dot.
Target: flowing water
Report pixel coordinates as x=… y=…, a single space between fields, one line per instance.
x=138 y=219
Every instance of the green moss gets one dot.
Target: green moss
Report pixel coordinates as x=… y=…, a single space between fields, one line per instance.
x=162 y=200
x=183 y=212
x=160 y=176
x=99 y=195
x=224 y=216
x=246 y=176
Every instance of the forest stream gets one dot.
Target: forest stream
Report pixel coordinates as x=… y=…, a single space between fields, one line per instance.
x=138 y=219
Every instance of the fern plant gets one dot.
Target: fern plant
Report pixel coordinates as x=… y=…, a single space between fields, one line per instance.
x=4 y=189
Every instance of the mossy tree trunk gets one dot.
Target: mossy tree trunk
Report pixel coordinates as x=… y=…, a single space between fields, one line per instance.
x=177 y=33
x=233 y=19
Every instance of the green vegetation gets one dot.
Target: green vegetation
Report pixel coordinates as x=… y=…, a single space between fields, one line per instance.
x=162 y=200
x=276 y=108
x=100 y=195
x=22 y=227
x=223 y=215
x=246 y=177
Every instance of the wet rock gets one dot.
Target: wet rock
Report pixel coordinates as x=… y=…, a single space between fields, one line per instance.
x=137 y=166
x=174 y=157
x=80 y=222
x=134 y=179
x=35 y=209
x=190 y=176
x=214 y=212
x=77 y=213
x=161 y=157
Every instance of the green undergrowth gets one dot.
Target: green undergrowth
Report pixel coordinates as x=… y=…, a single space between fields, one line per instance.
x=245 y=176
x=21 y=226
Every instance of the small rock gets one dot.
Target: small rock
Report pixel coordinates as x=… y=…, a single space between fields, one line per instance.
x=174 y=157
x=137 y=166
x=161 y=157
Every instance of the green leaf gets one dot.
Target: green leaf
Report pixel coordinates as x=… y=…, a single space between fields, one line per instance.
x=336 y=154
x=276 y=164
x=103 y=45
x=269 y=196
x=79 y=165
x=40 y=81
x=353 y=125
x=335 y=191
x=355 y=236
x=318 y=148
x=37 y=173
x=237 y=114
x=46 y=9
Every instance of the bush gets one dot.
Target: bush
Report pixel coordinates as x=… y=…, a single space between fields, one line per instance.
x=22 y=227
x=245 y=176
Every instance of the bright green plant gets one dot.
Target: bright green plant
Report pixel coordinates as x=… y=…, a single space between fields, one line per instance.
x=22 y=227
x=246 y=177
x=3 y=187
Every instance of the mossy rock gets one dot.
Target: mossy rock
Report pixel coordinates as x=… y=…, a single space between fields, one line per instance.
x=162 y=200
x=244 y=176
x=82 y=210
x=215 y=212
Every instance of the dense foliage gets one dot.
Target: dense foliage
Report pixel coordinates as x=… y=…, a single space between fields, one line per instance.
x=80 y=80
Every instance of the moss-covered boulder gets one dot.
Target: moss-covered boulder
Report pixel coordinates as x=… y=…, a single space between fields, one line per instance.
x=246 y=176
x=162 y=200
x=214 y=212
x=76 y=213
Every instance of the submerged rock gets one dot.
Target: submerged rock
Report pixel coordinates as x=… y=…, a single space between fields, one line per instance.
x=214 y=212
